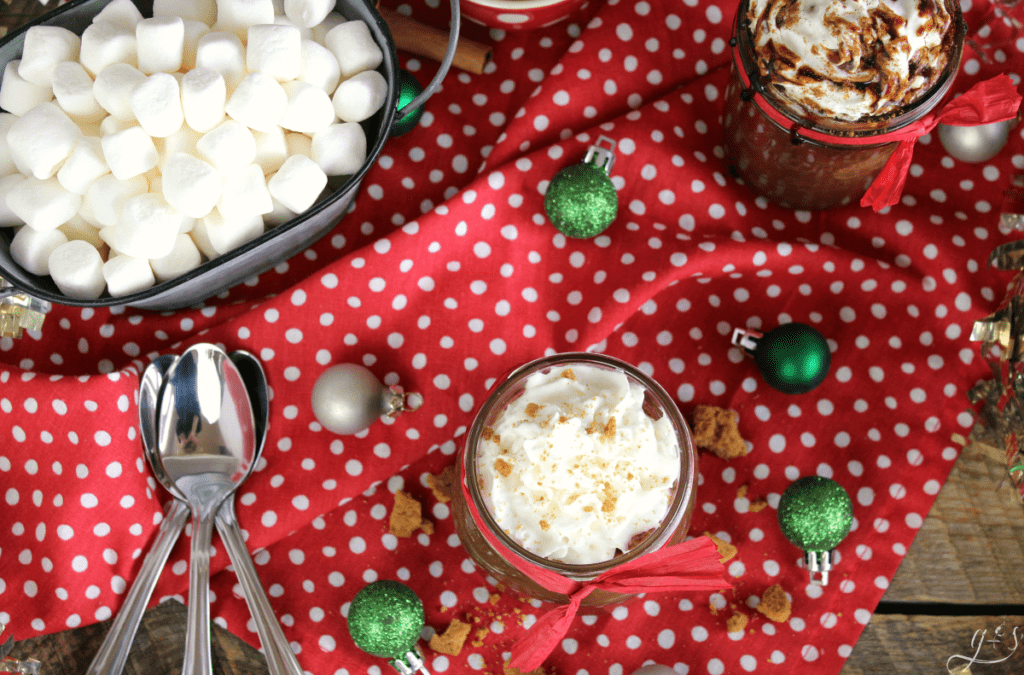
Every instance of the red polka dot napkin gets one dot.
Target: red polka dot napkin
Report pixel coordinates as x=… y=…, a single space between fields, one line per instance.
x=446 y=273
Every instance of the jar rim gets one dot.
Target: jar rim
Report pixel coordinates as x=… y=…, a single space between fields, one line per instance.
x=686 y=484
x=875 y=126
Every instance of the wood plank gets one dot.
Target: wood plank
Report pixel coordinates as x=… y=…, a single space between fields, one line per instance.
x=971 y=546
x=158 y=647
x=916 y=644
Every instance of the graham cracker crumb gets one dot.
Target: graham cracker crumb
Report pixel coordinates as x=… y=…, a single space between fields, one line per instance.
x=503 y=467
x=509 y=670
x=407 y=516
x=715 y=429
x=532 y=409
x=757 y=506
x=742 y=492
x=608 y=435
x=569 y=374
x=478 y=637
x=494 y=598
x=454 y=637
x=488 y=433
x=442 y=484
x=737 y=622
x=725 y=549
x=544 y=525
x=775 y=605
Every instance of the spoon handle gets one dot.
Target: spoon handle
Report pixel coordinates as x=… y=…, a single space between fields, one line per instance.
x=198 y=658
x=113 y=653
x=280 y=658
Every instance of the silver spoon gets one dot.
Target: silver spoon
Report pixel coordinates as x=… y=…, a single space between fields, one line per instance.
x=113 y=653
x=207 y=445
x=280 y=658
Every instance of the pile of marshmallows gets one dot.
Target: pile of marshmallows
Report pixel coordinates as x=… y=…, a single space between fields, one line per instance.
x=131 y=152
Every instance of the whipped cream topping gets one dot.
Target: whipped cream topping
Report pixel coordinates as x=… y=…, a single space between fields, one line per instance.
x=573 y=470
x=851 y=59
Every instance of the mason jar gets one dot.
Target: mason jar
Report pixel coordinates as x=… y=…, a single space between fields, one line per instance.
x=795 y=160
x=476 y=524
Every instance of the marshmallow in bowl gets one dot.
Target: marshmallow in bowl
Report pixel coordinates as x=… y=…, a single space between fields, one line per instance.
x=160 y=142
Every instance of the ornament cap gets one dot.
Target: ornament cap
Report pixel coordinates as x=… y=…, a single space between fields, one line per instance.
x=600 y=156
x=818 y=564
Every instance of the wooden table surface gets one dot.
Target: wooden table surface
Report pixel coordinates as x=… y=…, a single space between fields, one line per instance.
x=963 y=574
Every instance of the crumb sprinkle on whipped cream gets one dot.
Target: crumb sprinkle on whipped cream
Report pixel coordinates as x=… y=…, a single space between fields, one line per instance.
x=573 y=470
x=851 y=60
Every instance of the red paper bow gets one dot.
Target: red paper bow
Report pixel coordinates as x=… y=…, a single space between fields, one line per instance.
x=693 y=565
x=994 y=100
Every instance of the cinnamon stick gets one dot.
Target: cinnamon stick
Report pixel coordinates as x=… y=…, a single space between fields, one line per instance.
x=423 y=40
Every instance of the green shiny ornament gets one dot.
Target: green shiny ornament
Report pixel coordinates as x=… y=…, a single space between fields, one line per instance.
x=581 y=200
x=815 y=514
x=385 y=619
x=408 y=89
x=794 y=358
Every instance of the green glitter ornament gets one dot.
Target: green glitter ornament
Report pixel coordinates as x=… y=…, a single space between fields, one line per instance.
x=408 y=89
x=794 y=358
x=386 y=619
x=581 y=200
x=815 y=514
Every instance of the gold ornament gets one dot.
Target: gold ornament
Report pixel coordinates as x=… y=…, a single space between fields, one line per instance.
x=19 y=312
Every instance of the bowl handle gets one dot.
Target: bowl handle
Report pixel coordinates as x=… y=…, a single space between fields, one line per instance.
x=446 y=62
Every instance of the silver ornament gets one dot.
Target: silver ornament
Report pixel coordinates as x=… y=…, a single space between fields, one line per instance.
x=348 y=398
x=974 y=144
x=654 y=669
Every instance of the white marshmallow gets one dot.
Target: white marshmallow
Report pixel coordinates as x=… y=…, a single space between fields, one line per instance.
x=226 y=235
x=203 y=95
x=224 y=52
x=280 y=215
x=42 y=204
x=275 y=50
x=190 y=185
x=79 y=228
x=201 y=239
x=354 y=46
x=156 y=103
x=31 y=248
x=244 y=194
x=282 y=20
x=183 y=258
x=194 y=30
x=319 y=66
x=308 y=13
x=229 y=147
x=84 y=165
x=129 y=153
x=112 y=125
x=40 y=140
x=298 y=144
x=360 y=96
x=309 y=108
x=161 y=44
x=120 y=12
x=77 y=269
x=237 y=15
x=258 y=102
x=193 y=10
x=271 y=149
x=105 y=43
x=147 y=228
x=298 y=183
x=319 y=32
x=340 y=150
x=44 y=48
x=18 y=95
x=183 y=140
x=7 y=165
x=187 y=223
x=107 y=196
x=7 y=217
x=113 y=89
x=126 y=275
x=72 y=87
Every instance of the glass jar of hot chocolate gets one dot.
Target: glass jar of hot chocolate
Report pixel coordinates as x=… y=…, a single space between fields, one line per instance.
x=810 y=108
x=574 y=465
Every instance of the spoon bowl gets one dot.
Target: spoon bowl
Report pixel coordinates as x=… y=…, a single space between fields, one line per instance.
x=207 y=445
